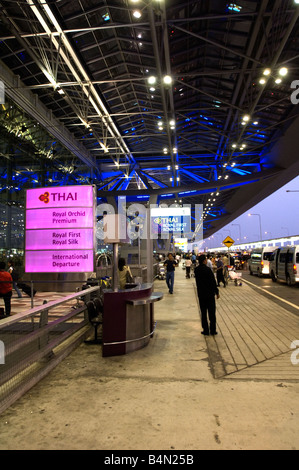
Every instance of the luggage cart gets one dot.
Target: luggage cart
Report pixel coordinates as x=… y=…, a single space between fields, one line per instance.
x=236 y=277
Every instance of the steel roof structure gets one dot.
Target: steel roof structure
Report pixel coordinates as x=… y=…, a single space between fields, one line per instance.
x=182 y=100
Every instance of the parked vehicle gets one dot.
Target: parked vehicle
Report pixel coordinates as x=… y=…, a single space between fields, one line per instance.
x=284 y=265
x=259 y=262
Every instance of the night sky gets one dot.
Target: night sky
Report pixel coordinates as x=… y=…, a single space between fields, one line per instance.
x=279 y=218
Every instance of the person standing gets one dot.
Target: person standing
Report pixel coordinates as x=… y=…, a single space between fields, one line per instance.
x=206 y=290
x=209 y=263
x=170 y=264
x=15 y=278
x=124 y=273
x=5 y=288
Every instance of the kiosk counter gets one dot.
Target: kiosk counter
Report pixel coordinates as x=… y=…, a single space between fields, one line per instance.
x=128 y=317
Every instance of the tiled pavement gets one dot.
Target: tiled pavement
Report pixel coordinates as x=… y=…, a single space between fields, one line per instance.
x=254 y=337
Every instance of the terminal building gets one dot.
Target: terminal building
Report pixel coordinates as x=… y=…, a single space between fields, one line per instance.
x=130 y=130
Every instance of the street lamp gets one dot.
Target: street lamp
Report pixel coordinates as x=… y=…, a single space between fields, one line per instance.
x=285 y=228
x=226 y=230
x=259 y=216
x=238 y=225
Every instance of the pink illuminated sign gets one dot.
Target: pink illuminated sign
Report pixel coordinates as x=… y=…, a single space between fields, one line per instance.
x=59 y=262
x=67 y=196
x=59 y=239
x=60 y=229
x=59 y=218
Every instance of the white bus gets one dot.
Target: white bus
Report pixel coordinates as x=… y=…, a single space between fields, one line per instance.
x=284 y=265
x=259 y=262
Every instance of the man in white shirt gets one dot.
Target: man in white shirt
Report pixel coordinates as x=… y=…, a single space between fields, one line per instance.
x=209 y=263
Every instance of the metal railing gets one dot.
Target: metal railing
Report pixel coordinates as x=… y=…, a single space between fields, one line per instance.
x=34 y=342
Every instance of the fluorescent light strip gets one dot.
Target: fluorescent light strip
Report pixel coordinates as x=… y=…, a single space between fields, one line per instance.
x=80 y=67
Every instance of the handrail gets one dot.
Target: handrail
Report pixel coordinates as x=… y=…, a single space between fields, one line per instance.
x=36 y=310
x=132 y=340
x=35 y=341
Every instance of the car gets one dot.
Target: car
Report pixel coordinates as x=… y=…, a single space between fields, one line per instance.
x=259 y=261
x=284 y=265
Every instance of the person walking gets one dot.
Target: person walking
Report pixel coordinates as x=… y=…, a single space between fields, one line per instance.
x=170 y=264
x=188 y=264
x=15 y=277
x=219 y=272
x=206 y=290
x=5 y=288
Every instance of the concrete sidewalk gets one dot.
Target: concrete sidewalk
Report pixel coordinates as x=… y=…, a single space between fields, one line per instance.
x=238 y=390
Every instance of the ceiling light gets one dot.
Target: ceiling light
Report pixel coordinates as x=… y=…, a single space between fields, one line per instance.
x=167 y=80
x=278 y=81
x=151 y=80
x=262 y=81
x=283 y=71
x=267 y=72
x=246 y=117
x=137 y=14
x=234 y=7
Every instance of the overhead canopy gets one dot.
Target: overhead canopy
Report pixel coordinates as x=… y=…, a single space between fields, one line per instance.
x=167 y=102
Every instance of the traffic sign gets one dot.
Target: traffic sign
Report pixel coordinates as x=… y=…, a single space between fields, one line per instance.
x=228 y=242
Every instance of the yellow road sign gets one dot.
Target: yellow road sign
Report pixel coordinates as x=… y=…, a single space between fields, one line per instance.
x=228 y=242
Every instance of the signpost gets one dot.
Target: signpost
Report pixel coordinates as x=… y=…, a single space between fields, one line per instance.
x=228 y=242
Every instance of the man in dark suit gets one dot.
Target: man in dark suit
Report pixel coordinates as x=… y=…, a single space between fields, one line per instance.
x=206 y=290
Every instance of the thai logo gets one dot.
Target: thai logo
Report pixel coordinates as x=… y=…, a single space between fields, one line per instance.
x=45 y=197
x=158 y=220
